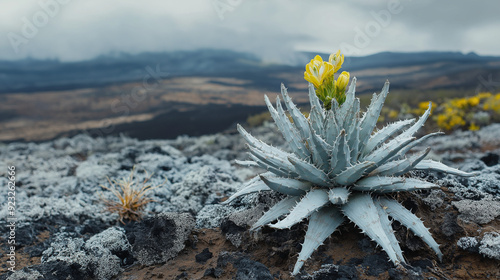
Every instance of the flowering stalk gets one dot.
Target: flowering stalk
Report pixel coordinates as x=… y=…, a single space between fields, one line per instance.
x=322 y=75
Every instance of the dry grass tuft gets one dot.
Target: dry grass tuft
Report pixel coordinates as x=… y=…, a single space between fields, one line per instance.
x=131 y=196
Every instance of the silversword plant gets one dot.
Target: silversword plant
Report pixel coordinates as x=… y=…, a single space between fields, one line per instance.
x=339 y=166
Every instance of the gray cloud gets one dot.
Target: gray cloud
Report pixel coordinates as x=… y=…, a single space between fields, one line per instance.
x=77 y=30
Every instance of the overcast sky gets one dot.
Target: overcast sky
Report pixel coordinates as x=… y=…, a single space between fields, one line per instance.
x=81 y=29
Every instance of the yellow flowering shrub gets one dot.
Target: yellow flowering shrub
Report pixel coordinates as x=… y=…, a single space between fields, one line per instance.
x=492 y=103
x=469 y=112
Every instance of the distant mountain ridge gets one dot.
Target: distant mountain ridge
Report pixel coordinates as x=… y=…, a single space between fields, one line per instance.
x=30 y=75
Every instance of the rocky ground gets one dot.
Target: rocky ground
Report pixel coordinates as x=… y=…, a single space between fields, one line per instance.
x=64 y=231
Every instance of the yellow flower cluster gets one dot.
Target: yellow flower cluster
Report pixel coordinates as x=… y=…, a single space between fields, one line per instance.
x=450 y=119
x=468 y=113
x=463 y=112
x=322 y=75
x=492 y=103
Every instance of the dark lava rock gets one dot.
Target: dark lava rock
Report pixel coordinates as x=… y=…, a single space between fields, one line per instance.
x=214 y=272
x=423 y=264
x=182 y=276
x=233 y=232
x=450 y=226
x=491 y=159
x=376 y=264
x=406 y=272
x=54 y=270
x=247 y=269
x=157 y=150
x=204 y=256
x=366 y=245
x=160 y=238
x=331 y=271
x=228 y=226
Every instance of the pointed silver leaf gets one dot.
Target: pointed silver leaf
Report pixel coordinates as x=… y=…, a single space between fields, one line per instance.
x=387 y=226
x=287 y=130
x=251 y=187
x=314 y=100
x=362 y=211
x=335 y=106
x=299 y=119
x=372 y=114
x=353 y=143
x=258 y=144
x=316 y=120
x=276 y=161
x=409 y=220
x=321 y=225
x=317 y=156
x=343 y=114
x=385 y=133
x=351 y=121
x=311 y=202
x=409 y=184
x=352 y=174
x=388 y=150
x=286 y=185
x=317 y=114
x=341 y=155
x=309 y=172
x=331 y=130
x=279 y=209
x=270 y=168
x=429 y=164
x=414 y=128
x=297 y=139
x=350 y=93
x=399 y=167
x=414 y=143
x=376 y=182
x=320 y=151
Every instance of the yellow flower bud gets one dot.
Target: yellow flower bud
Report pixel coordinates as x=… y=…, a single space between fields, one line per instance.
x=317 y=70
x=336 y=60
x=342 y=82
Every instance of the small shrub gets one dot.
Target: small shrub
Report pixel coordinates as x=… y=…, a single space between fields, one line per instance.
x=131 y=195
x=469 y=113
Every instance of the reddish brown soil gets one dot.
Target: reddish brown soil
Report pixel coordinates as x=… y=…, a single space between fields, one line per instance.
x=341 y=248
